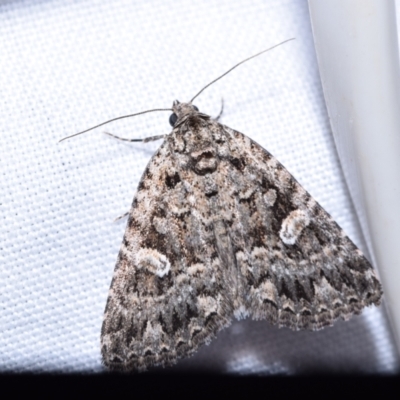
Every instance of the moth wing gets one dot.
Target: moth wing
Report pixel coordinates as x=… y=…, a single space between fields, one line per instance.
x=166 y=296
x=299 y=268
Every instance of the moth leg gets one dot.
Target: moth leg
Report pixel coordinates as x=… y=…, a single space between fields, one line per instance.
x=220 y=113
x=121 y=216
x=145 y=140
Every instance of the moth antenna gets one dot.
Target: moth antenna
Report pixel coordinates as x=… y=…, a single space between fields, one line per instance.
x=241 y=62
x=115 y=119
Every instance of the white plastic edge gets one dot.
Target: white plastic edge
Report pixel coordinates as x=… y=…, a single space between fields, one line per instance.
x=357 y=51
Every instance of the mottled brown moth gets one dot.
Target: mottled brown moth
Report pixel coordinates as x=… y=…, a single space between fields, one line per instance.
x=220 y=229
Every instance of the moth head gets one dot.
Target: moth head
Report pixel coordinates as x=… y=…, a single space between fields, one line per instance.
x=180 y=110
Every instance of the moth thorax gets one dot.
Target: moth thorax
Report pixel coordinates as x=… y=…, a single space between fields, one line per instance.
x=204 y=161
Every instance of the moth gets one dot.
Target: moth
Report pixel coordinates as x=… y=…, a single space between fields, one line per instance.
x=219 y=229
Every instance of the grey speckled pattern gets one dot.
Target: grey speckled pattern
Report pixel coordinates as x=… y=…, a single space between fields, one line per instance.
x=219 y=228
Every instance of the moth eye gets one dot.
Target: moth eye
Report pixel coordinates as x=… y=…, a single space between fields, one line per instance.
x=172 y=119
x=195 y=108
